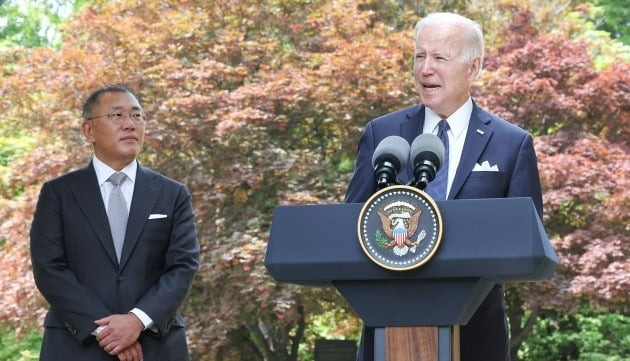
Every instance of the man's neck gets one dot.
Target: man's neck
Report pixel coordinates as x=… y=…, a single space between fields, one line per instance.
x=115 y=165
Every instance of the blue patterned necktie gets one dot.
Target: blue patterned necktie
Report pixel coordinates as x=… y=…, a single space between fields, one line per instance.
x=117 y=212
x=437 y=188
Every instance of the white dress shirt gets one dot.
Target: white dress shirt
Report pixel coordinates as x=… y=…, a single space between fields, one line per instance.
x=458 y=124
x=103 y=172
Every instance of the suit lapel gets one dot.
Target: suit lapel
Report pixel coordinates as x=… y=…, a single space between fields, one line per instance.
x=477 y=137
x=145 y=193
x=88 y=195
x=410 y=128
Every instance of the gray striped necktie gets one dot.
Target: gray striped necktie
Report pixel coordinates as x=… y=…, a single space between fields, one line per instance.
x=117 y=212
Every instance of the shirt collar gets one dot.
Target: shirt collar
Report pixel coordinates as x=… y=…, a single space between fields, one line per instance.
x=458 y=121
x=103 y=171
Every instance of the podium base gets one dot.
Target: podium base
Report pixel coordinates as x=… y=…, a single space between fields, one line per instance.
x=417 y=343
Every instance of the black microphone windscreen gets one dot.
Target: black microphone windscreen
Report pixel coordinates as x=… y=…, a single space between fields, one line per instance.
x=392 y=148
x=427 y=143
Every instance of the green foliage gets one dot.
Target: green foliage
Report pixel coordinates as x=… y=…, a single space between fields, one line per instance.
x=335 y=323
x=12 y=146
x=345 y=165
x=614 y=18
x=604 y=50
x=554 y=128
x=588 y=335
x=34 y=23
x=573 y=214
x=13 y=348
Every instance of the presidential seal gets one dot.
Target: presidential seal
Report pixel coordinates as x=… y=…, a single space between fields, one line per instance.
x=400 y=228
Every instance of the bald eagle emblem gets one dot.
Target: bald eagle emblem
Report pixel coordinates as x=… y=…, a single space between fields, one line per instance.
x=399 y=228
x=399 y=221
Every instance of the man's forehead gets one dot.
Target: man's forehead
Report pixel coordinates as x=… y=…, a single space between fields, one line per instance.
x=435 y=38
x=448 y=46
x=118 y=100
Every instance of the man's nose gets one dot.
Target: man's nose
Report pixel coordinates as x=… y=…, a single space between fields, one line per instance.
x=127 y=122
x=426 y=66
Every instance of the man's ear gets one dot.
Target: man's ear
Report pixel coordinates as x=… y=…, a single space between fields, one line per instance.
x=475 y=69
x=88 y=132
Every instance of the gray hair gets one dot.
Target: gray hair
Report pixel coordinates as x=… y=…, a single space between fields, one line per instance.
x=92 y=99
x=473 y=41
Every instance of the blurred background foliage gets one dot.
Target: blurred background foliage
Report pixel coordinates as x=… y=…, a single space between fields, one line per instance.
x=254 y=104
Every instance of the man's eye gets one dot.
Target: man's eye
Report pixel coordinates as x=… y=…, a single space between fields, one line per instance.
x=116 y=115
x=136 y=115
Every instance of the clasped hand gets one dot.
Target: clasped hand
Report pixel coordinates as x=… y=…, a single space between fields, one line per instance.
x=120 y=336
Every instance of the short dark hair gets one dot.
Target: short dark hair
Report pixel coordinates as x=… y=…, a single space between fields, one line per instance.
x=91 y=100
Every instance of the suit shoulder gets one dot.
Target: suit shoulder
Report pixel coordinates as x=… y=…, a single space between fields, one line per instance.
x=164 y=179
x=66 y=177
x=396 y=116
x=384 y=124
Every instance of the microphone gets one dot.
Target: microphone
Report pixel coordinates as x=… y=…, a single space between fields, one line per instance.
x=427 y=157
x=390 y=156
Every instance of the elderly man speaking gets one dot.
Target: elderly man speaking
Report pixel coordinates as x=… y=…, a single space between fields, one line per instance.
x=486 y=157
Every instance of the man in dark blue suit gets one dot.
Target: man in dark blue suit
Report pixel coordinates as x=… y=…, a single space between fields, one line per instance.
x=114 y=246
x=487 y=156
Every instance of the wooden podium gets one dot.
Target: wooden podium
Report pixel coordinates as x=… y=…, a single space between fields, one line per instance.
x=485 y=241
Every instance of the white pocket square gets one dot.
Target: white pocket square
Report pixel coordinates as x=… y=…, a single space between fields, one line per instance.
x=157 y=216
x=485 y=167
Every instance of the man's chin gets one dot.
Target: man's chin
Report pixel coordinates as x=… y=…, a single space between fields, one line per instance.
x=129 y=155
x=430 y=101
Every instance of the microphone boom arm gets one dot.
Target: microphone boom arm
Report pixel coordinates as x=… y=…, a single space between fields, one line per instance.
x=385 y=172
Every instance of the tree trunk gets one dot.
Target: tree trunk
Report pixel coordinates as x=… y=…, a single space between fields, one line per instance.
x=240 y=344
x=516 y=313
x=299 y=333
x=263 y=338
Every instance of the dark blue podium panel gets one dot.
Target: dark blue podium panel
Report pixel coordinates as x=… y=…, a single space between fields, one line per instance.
x=485 y=241
x=502 y=240
x=416 y=302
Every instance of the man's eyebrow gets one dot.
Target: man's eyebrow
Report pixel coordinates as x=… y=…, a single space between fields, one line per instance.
x=119 y=107
x=443 y=54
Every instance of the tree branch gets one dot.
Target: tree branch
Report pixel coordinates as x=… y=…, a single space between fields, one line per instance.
x=295 y=340
x=264 y=332
x=518 y=339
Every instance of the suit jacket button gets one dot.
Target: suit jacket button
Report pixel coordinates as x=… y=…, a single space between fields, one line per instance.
x=69 y=327
x=121 y=278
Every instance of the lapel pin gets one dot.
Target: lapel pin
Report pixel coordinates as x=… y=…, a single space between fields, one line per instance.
x=480 y=131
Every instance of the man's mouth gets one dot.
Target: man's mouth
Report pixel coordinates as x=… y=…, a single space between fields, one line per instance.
x=129 y=137
x=430 y=87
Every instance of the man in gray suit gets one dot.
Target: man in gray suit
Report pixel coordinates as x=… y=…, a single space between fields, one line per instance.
x=114 y=246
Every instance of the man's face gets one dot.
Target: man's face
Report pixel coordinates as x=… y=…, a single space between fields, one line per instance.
x=115 y=143
x=442 y=77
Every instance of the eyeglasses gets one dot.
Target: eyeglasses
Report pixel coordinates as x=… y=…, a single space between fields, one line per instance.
x=119 y=117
